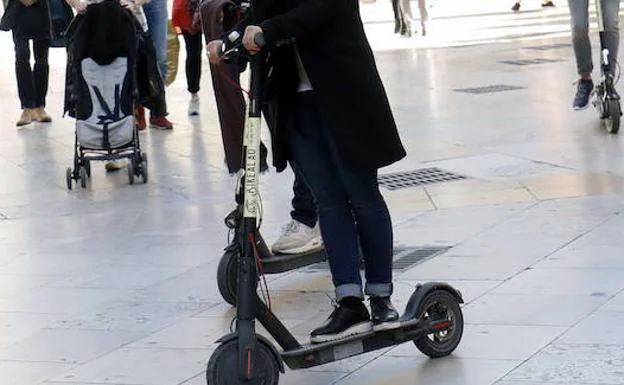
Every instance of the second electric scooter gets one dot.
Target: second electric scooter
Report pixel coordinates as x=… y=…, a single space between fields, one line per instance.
x=272 y=263
x=606 y=99
x=432 y=320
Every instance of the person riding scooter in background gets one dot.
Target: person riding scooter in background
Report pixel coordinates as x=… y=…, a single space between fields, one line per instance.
x=579 y=15
x=335 y=124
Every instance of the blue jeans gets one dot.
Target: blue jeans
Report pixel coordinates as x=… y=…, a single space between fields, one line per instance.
x=352 y=211
x=157 y=19
x=579 y=15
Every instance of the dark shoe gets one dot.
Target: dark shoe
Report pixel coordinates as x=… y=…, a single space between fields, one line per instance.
x=548 y=4
x=516 y=7
x=424 y=29
x=404 y=29
x=583 y=92
x=397 y=25
x=384 y=314
x=343 y=322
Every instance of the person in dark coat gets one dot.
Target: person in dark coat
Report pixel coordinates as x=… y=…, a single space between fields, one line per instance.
x=32 y=22
x=332 y=119
x=302 y=233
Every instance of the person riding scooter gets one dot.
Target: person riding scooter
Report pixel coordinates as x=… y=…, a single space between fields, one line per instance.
x=334 y=123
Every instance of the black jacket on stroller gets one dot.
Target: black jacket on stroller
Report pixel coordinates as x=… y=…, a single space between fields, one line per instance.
x=111 y=64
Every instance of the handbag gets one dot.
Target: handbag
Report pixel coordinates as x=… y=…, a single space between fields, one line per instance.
x=61 y=15
x=173 y=54
x=9 y=17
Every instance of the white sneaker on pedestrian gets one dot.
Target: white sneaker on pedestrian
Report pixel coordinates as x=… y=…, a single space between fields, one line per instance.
x=193 y=109
x=298 y=238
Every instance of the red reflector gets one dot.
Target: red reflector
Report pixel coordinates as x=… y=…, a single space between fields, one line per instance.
x=441 y=325
x=248 y=364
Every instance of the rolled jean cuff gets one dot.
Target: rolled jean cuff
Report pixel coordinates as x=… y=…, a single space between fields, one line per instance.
x=379 y=289
x=349 y=290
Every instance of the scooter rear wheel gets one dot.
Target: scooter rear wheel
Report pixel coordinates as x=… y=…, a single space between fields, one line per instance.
x=223 y=366
x=440 y=305
x=227 y=276
x=614 y=113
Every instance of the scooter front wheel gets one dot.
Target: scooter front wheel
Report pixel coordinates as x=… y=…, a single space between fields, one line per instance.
x=223 y=366
x=440 y=306
x=614 y=113
x=227 y=276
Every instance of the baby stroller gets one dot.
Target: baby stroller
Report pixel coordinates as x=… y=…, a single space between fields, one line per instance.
x=100 y=90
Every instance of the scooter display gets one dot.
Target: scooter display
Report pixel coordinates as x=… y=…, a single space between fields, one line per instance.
x=606 y=99
x=432 y=320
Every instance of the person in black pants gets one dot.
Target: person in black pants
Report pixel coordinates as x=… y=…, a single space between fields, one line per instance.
x=183 y=18
x=193 y=44
x=32 y=22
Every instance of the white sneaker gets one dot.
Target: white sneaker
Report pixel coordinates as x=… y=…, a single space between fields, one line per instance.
x=298 y=238
x=193 y=109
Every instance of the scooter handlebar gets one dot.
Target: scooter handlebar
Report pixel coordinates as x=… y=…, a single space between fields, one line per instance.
x=233 y=45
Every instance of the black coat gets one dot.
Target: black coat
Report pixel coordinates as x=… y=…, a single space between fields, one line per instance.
x=340 y=64
x=32 y=22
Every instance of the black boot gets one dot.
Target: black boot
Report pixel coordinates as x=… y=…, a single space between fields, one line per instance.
x=350 y=317
x=406 y=29
x=385 y=315
x=397 y=25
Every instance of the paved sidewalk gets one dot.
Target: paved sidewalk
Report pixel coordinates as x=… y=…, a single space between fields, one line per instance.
x=115 y=284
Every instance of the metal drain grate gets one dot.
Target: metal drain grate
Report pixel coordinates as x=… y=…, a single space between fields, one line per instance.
x=526 y=62
x=489 y=89
x=404 y=258
x=421 y=177
x=548 y=47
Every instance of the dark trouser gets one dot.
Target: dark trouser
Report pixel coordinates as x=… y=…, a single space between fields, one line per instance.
x=304 y=207
x=193 y=60
x=396 y=10
x=32 y=84
x=579 y=15
x=352 y=211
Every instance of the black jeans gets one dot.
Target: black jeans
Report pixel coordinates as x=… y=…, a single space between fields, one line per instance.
x=193 y=60
x=304 y=207
x=32 y=83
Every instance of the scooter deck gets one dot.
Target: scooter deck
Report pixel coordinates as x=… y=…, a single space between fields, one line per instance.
x=280 y=263
x=311 y=355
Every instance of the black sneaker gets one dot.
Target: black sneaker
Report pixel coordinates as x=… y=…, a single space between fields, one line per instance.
x=548 y=4
x=343 y=322
x=583 y=92
x=397 y=25
x=384 y=314
x=516 y=7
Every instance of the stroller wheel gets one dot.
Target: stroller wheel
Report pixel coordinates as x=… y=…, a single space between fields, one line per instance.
x=69 y=177
x=131 y=171
x=83 y=177
x=144 y=167
x=87 y=165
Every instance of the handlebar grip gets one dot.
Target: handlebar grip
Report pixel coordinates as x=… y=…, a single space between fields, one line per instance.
x=259 y=40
